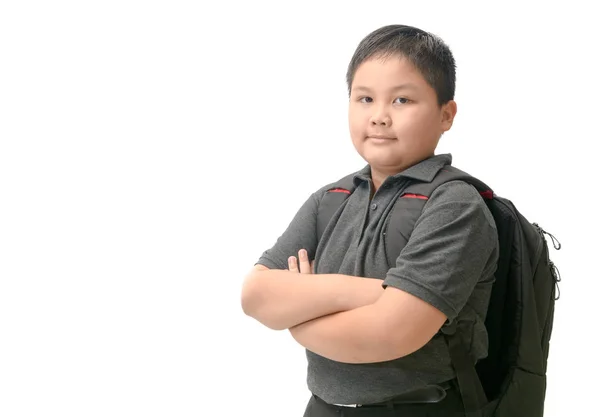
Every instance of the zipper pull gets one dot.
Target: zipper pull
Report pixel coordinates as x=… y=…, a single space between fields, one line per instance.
x=557 y=278
x=555 y=241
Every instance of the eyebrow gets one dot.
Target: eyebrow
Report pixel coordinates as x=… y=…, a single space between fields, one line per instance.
x=407 y=86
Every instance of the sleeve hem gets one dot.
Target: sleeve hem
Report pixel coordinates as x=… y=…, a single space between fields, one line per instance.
x=422 y=292
x=268 y=263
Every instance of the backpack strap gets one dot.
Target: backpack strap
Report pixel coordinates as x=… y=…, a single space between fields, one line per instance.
x=332 y=200
x=470 y=386
x=404 y=215
x=408 y=207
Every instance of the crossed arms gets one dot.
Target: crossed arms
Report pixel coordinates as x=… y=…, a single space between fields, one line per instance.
x=341 y=317
x=355 y=320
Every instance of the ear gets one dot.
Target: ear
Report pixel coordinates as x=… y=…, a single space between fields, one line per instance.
x=448 y=113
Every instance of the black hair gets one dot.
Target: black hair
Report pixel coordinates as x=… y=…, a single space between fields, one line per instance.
x=427 y=52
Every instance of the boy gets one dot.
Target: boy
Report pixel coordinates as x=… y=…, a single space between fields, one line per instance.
x=373 y=330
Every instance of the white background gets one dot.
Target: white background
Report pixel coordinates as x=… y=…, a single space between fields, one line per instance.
x=150 y=151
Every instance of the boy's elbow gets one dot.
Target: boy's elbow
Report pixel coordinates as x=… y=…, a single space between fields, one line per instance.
x=250 y=299
x=253 y=304
x=260 y=313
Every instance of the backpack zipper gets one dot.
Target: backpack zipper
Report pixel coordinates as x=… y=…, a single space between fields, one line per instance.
x=553 y=269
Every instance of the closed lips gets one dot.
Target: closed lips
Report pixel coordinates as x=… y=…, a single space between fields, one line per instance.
x=380 y=137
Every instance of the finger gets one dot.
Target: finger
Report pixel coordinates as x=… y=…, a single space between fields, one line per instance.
x=293 y=264
x=312 y=267
x=304 y=262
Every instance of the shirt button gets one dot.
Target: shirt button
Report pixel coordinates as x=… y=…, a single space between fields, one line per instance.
x=373 y=206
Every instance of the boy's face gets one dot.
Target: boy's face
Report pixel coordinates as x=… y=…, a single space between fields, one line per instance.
x=394 y=116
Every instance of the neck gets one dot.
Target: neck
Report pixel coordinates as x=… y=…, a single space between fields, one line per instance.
x=377 y=178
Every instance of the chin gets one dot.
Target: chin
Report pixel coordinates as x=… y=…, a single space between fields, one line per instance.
x=385 y=162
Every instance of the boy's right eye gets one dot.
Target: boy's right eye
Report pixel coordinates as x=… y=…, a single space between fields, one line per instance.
x=365 y=100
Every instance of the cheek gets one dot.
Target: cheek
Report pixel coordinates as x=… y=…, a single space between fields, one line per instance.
x=413 y=122
x=356 y=123
x=356 y=135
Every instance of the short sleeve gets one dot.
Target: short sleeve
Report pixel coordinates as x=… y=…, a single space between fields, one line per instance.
x=301 y=233
x=453 y=245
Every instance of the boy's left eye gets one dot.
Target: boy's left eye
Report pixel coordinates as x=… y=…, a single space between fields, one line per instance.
x=401 y=100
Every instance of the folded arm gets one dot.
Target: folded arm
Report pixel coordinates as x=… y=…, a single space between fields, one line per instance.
x=396 y=325
x=281 y=299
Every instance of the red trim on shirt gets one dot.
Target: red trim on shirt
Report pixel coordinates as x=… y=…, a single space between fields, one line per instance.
x=339 y=190
x=419 y=196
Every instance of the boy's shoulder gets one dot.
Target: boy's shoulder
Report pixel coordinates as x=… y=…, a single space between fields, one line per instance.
x=456 y=190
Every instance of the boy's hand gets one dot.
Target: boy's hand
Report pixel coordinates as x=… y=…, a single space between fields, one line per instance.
x=306 y=267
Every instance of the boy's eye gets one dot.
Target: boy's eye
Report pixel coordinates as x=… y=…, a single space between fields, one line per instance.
x=401 y=100
x=398 y=100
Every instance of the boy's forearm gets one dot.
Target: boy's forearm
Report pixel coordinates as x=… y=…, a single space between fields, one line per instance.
x=281 y=299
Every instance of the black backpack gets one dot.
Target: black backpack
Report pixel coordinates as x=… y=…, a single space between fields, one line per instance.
x=511 y=380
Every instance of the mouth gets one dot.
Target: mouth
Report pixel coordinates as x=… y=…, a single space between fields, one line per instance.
x=380 y=138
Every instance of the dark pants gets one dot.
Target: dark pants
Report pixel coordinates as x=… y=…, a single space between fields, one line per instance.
x=451 y=406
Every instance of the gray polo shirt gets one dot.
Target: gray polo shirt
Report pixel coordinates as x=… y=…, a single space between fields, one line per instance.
x=449 y=262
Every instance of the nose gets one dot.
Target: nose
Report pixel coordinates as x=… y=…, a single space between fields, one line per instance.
x=381 y=117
